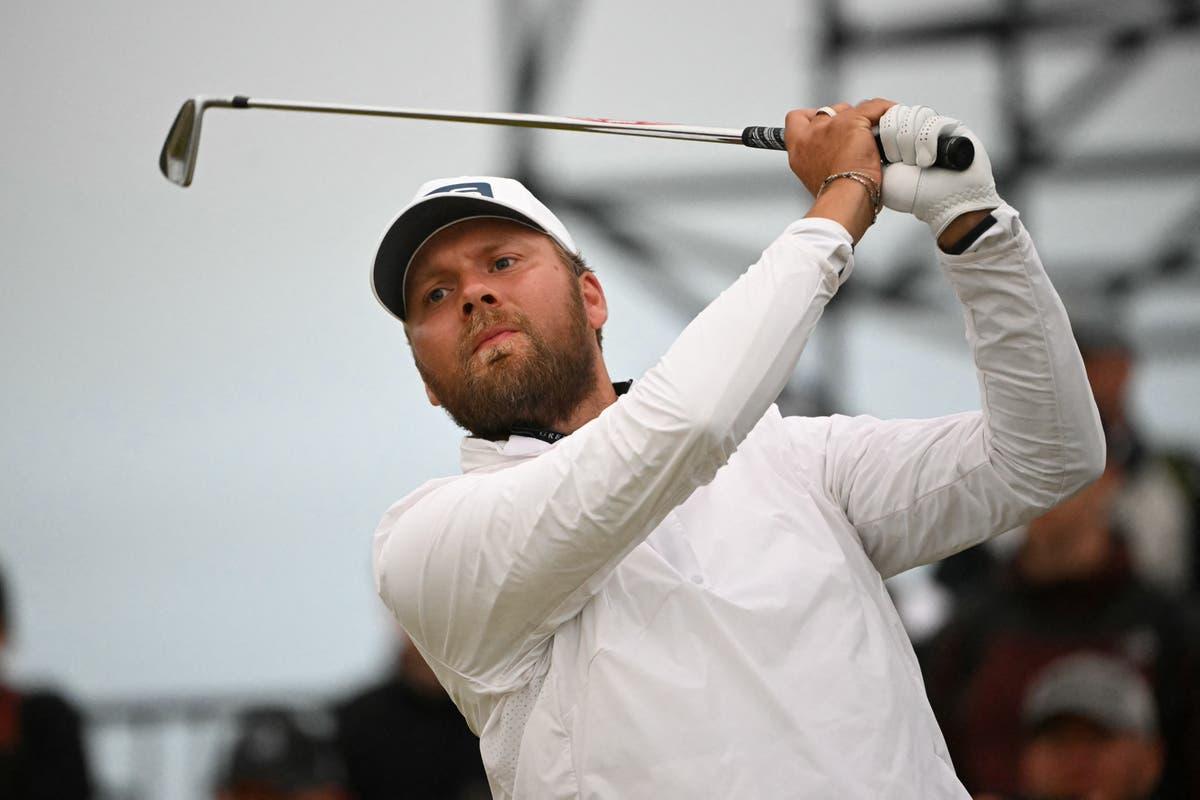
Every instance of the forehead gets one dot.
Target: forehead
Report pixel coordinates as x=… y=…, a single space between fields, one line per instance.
x=471 y=238
x=1072 y=727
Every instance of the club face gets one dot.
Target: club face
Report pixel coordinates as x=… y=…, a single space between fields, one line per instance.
x=178 y=157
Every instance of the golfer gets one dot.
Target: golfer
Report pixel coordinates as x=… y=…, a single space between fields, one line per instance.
x=667 y=589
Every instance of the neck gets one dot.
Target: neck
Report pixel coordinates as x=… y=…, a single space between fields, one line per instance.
x=601 y=397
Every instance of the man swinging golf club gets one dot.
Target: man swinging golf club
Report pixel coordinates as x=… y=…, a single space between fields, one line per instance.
x=668 y=590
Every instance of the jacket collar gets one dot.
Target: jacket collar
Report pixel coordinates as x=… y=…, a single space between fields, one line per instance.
x=478 y=454
x=481 y=454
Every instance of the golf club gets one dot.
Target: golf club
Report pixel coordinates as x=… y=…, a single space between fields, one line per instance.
x=178 y=158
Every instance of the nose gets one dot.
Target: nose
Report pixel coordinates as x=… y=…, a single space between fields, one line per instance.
x=475 y=294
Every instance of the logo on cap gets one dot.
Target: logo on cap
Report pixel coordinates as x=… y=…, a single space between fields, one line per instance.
x=484 y=189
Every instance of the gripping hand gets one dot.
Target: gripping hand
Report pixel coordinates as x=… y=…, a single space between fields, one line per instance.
x=935 y=196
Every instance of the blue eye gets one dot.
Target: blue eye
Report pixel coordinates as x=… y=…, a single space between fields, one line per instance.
x=435 y=295
x=503 y=263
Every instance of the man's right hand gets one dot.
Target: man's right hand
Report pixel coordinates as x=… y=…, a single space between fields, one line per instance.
x=820 y=145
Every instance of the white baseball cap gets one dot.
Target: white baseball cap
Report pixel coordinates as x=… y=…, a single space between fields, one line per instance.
x=1095 y=686
x=441 y=203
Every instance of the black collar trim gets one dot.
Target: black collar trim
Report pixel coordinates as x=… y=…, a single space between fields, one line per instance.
x=550 y=437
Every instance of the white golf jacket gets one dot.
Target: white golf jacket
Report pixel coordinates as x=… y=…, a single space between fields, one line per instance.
x=684 y=598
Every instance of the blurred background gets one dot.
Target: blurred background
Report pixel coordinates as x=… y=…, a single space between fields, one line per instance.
x=205 y=412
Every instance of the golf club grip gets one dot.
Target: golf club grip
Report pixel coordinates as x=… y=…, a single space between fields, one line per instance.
x=953 y=152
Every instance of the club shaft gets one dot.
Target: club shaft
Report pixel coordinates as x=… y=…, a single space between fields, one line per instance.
x=177 y=159
x=655 y=130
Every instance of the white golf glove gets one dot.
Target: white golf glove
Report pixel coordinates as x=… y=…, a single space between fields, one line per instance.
x=933 y=195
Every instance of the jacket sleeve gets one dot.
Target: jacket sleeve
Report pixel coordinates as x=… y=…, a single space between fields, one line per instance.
x=482 y=569
x=920 y=490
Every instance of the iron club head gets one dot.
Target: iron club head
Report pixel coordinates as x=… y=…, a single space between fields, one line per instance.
x=178 y=157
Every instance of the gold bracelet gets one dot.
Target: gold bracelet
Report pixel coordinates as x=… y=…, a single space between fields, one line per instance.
x=867 y=182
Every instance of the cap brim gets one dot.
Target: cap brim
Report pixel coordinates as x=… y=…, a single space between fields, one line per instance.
x=416 y=224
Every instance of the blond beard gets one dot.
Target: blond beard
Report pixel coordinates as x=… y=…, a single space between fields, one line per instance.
x=536 y=384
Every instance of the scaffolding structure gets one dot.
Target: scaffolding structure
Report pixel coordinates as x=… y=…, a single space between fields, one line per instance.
x=1122 y=37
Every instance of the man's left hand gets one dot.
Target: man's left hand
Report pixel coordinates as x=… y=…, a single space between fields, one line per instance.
x=933 y=195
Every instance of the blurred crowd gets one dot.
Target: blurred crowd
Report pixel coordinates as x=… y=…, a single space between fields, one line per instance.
x=1066 y=666
x=41 y=738
x=401 y=738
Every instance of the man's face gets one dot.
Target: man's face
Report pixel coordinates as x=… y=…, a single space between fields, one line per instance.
x=1108 y=371
x=1091 y=507
x=502 y=331
x=1072 y=757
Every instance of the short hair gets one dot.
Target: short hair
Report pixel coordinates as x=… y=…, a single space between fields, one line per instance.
x=577 y=265
x=283 y=748
x=573 y=261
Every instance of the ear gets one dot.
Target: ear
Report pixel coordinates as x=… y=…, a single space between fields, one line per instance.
x=433 y=398
x=595 y=306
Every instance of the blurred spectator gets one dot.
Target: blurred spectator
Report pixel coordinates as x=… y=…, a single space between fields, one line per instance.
x=1091 y=731
x=282 y=755
x=404 y=738
x=1070 y=587
x=41 y=741
x=1159 y=506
